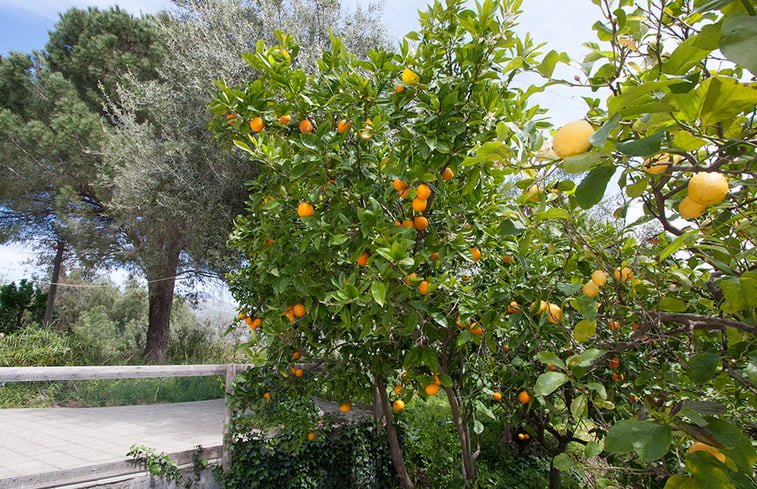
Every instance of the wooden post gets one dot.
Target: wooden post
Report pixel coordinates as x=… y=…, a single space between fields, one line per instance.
x=231 y=373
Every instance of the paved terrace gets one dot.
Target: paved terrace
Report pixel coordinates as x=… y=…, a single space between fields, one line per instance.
x=38 y=445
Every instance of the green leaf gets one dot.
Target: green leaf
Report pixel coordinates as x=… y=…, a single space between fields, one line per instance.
x=592 y=188
x=600 y=135
x=378 y=291
x=651 y=441
x=637 y=189
x=705 y=407
x=563 y=462
x=584 y=330
x=685 y=56
x=724 y=98
x=579 y=407
x=547 y=66
x=737 y=40
x=671 y=304
x=586 y=358
x=737 y=446
x=681 y=482
x=548 y=382
x=549 y=358
x=685 y=141
x=552 y=213
x=592 y=449
x=580 y=163
x=686 y=239
x=478 y=427
x=740 y=292
x=642 y=147
x=703 y=366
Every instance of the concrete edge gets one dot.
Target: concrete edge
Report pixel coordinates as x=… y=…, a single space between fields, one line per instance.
x=91 y=475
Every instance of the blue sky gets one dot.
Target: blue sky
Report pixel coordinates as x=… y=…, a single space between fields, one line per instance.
x=563 y=24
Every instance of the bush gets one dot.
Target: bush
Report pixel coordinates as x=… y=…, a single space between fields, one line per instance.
x=344 y=453
x=38 y=347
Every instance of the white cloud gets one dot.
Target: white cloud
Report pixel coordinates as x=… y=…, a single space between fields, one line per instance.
x=50 y=9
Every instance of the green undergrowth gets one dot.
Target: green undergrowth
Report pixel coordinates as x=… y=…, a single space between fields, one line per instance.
x=119 y=392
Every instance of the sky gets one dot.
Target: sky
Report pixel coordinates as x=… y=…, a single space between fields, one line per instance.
x=563 y=24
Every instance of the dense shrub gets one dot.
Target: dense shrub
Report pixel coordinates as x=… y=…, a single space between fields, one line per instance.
x=20 y=305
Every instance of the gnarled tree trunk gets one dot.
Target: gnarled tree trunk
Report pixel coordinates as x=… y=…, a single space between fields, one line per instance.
x=161 y=281
x=53 y=289
x=391 y=433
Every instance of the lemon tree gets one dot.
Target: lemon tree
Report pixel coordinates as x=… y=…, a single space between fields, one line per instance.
x=660 y=361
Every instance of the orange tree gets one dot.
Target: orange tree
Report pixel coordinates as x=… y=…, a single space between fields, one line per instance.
x=369 y=221
x=651 y=362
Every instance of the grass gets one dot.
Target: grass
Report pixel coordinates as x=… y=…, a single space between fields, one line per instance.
x=119 y=392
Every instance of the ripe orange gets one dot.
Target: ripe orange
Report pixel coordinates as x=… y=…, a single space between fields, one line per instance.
x=420 y=223
x=299 y=310
x=343 y=125
x=289 y=314
x=521 y=436
x=398 y=405
x=624 y=275
x=257 y=124
x=448 y=174
x=423 y=191
x=345 y=407
x=405 y=192
x=613 y=325
x=399 y=88
x=507 y=259
x=407 y=223
x=242 y=316
x=269 y=242
x=434 y=256
x=267 y=395
x=306 y=126
x=363 y=259
x=572 y=139
x=614 y=377
x=423 y=287
x=524 y=397
x=311 y=436
x=284 y=119
x=399 y=184
x=476 y=329
x=497 y=396
x=255 y=323
x=614 y=362
x=305 y=209
x=708 y=188
x=475 y=253
x=419 y=205
x=410 y=277
x=551 y=367
x=298 y=372
x=507 y=347
x=296 y=355
x=398 y=389
x=268 y=198
x=231 y=118
x=513 y=307
x=432 y=389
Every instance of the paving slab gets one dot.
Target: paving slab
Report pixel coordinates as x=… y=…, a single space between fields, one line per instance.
x=38 y=440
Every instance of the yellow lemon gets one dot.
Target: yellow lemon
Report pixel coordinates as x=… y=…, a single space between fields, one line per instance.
x=707 y=188
x=599 y=277
x=688 y=209
x=554 y=313
x=409 y=77
x=658 y=164
x=572 y=139
x=591 y=289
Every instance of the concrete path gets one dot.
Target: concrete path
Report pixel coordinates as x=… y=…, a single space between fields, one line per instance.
x=34 y=441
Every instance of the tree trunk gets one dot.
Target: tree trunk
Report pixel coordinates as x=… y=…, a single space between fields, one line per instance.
x=554 y=476
x=463 y=433
x=53 y=289
x=391 y=432
x=161 y=281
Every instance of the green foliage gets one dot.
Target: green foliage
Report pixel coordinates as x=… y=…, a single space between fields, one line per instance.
x=20 y=305
x=344 y=453
x=161 y=465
